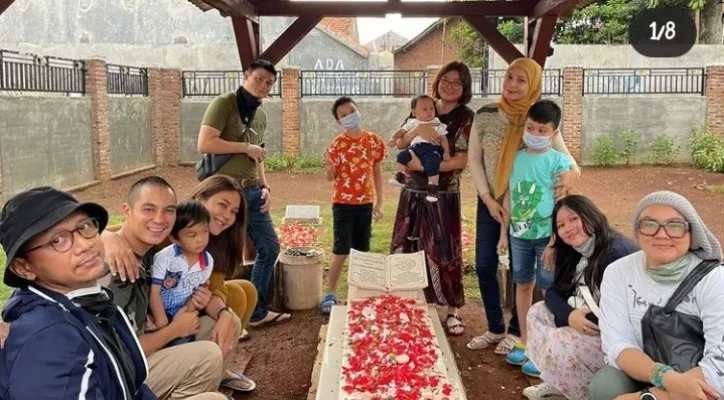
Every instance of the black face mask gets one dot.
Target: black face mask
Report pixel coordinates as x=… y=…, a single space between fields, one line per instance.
x=105 y=312
x=247 y=105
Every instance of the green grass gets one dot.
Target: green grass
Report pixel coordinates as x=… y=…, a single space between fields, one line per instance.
x=4 y=290
x=380 y=243
x=716 y=189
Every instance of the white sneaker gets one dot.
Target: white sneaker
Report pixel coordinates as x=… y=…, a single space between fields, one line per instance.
x=543 y=391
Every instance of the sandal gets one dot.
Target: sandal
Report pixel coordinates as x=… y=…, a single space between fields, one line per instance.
x=457 y=323
x=228 y=383
x=271 y=317
x=485 y=340
x=506 y=345
x=329 y=301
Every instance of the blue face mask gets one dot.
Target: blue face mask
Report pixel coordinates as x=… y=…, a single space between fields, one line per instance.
x=536 y=142
x=352 y=122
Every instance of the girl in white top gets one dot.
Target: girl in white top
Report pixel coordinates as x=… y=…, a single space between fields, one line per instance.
x=674 y=241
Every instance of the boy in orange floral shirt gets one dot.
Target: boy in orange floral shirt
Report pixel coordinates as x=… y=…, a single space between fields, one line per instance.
x=353 y=161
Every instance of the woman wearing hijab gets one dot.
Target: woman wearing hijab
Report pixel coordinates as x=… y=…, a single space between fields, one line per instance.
x=662 y=323
x=498 y=135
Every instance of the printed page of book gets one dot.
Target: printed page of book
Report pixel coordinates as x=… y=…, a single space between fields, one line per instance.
x=367 y=270
x=407 y=271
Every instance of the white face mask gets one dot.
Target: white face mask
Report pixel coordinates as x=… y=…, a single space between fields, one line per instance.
x=536 y=142
x=352 y=122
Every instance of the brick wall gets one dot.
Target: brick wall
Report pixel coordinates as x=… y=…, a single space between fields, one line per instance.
x=572 y=93
x=170 y=117
x=345 y=27
x=165 y=95
x=96 y=87
x=290 y=111
x=715 y=99
x=428 y=50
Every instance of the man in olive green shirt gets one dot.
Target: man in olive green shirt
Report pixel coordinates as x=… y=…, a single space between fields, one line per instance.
x=234 y=123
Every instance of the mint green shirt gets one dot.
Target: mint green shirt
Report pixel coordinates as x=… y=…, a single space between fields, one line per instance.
x=532 y=192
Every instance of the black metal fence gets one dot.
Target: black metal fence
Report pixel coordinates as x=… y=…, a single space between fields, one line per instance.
x=363 y=83
x=489 y=82
x=23 y=72
x=644 y=81
x=214 y=83
x=127 y=81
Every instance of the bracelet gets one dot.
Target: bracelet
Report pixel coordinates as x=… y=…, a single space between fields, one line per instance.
x=657 y=374
x=218 y=315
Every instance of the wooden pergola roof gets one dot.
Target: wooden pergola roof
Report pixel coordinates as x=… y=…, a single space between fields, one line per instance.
x=541 y=16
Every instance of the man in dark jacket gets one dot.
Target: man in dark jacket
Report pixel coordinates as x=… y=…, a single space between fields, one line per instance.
x=67 y=340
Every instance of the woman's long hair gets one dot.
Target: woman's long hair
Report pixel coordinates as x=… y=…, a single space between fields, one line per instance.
x=594 y=222
x=228 y=247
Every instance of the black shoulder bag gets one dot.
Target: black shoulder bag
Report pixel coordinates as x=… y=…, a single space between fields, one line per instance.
x=673 y=338
x=209 y=164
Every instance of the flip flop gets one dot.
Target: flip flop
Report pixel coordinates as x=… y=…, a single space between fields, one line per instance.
x=326 y=307
x=456 y=323
x=279 y=317
x=227 y=383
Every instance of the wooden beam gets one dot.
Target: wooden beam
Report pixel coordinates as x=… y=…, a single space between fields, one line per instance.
x=4 y=4
x=495 y=39
x=290 y=37
x=247 y=40
x=239 y=8
x=406 y=8
x=539 y=44
x=554 y=7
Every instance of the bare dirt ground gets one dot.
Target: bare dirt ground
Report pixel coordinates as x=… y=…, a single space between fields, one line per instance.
x=283 y=355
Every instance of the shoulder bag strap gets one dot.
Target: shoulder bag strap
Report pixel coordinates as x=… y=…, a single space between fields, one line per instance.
x=590 y=302
x=696 y=275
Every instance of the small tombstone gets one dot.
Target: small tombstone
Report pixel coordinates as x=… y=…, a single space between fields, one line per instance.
x=303 y=214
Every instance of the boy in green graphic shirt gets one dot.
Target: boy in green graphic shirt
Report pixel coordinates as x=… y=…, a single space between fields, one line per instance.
x=530 y=199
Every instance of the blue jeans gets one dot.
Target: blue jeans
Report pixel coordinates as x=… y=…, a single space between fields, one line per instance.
x=486 y=267
x=528 y=264
x=429 y=154
x=260 y=229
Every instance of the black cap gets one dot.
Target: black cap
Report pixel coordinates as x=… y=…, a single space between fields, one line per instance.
x=34 y=211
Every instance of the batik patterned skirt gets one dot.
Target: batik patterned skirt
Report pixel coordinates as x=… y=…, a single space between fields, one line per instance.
x=436 y=229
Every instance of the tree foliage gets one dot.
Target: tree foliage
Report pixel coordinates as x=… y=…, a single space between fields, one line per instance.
x=468 y=44
x=600 y=22
x=603 y=22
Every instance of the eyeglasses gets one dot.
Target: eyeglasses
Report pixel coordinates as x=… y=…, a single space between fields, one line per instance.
x=455 y=84
x=63 y=240
x=675 y=229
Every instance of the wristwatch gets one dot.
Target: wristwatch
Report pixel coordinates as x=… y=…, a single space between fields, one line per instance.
x=647 y=395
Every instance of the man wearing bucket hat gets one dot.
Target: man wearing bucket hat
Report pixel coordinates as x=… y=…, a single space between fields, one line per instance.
x=67 y=337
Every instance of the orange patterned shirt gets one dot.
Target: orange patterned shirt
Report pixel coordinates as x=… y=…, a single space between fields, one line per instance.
x=353 y=160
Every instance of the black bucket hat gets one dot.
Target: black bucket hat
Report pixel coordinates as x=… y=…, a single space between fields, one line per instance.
x=34 y=211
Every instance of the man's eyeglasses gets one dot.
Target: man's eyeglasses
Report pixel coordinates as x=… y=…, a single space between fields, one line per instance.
x=675 y=229
x=63 y=241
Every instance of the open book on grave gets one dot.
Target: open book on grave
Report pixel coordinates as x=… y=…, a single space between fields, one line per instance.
x=372 y=274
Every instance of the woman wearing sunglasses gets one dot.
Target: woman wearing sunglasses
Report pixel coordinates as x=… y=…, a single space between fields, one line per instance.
x=662 y=324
